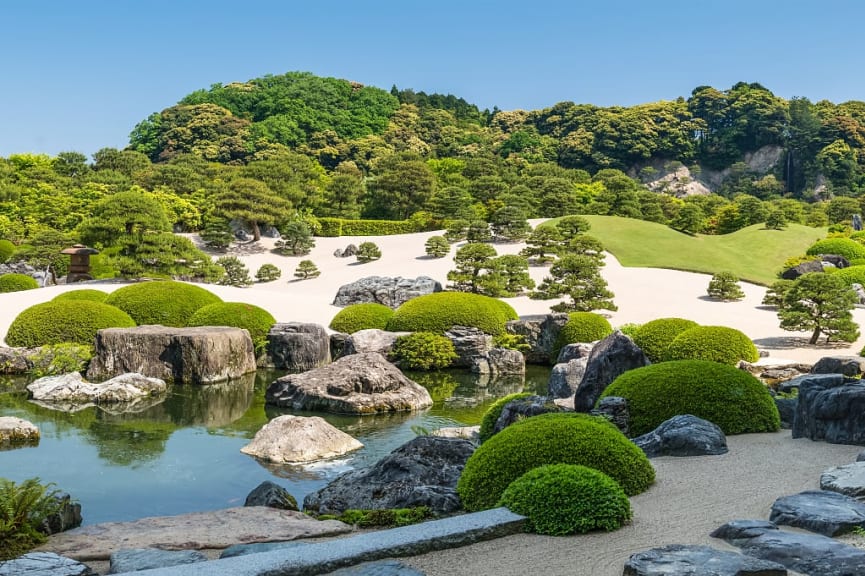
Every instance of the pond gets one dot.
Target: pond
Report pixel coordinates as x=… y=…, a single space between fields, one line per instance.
x=183 y=454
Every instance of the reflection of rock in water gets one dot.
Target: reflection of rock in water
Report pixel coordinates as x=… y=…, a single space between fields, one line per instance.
x=134 y=407
x=315 y=471
x=216 y=404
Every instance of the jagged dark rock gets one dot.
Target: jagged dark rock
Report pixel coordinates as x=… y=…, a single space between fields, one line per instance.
x=540 y=332
x=610 y=358
x=698 y=561
x=521 y=408
x=298 y=346
x=271 y=495
x=831 y=408
x=852 y=366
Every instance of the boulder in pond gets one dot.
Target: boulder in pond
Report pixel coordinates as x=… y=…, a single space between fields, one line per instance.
x=297 y=346
x=72 y=388
x=540 y=332
x=271 y=495
x=371 y=340
x=17 y=432
x=291 y=439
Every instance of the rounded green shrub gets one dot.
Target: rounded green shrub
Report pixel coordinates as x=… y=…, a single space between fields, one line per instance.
x=731 y=398
x=60 y=321
x=440 y=311
x=655 y=336
x=557 y=438
x=83 y=294
x=257 y=321
x=581 y=327
x=268 y=273
x=362 y=316
x=17 y=282
x=7 y=249
x=852 y=274
x=562 y=499
x=715 y=343
x=849 y=249
x=162 y=302
x=491 y=416
x=424 y=351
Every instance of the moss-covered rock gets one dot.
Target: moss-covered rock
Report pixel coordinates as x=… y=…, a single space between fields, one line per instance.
x=17 y=282
x=491 y=416
x=162 y=302
x=441 y=311
x=654 y=337
x=83 y=294
x=257 y=321
x=362 y=316
x=716 y=343
x=60 y=321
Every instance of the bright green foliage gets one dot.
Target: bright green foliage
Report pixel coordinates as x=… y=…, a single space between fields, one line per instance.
x=236 y=272
x=385 y=518
x=362 y=316
x=562 y=499
x=437 y=247
x=582 y=327
x=849 y=249
x=512 y=342
x=821 y=303
x=579 y=280
x=17 y=282
x=440 y=311
x=629 y=329
x=23 y=508
x=424 y=351
x=776 y=220
x=491 y=416
x=124 y=214
x=296 y=239
x=7 y=249
x=367 y=252
x=543 y=244
x=654 y=337
x=306 y=269
x=775 y=293
x=332 y=227
x=714 y=343
x=165 y=302
x=61 y=321
x=725 y=286
x=55 y=359
x=83 y=294
x=257 y=321
x=557 y=438
x=731 y=398
x=267 y=273
x=854 y=274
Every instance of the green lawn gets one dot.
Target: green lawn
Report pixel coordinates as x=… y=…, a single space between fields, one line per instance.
x=754 y=254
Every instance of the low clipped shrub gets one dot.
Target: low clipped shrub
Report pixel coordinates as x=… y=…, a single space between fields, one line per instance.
x=7 y=249
x=491 y=416
x=17 y=282
x=163 y=302
x=655 y=336
x=849 y=249
x=440 y=311
x=362 y=316
x=83 y=294
x=257 y=321
x=715 y=343
x=61 y=321
x=424 y=351
x=557 y=438
x=731 y=398
x=345 y=227
x=581 y=327
x=852 y=274
x=562 y=499
x=267 y=273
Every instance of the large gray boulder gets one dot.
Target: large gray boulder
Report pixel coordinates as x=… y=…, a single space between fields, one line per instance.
x=422 y=472
x=610 y=358
x=297 y=346
x=44 y=564
x=385 y=290
x=16 y=360
x=820 y=511
x=565 y=377
x=470 y=344
x=356 y=384
x=852 y=366
x=291 y=439
x=137 y=559
x=500 y=362
x=802 y=269
x=830 y=407
x=540 y=332
x=698 y=560
x=17 y=432
x=72 y=388
x=199 y=355
x=683 y=435
x=371 y=340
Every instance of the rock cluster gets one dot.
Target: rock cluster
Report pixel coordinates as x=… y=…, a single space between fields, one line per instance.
x=390 y=291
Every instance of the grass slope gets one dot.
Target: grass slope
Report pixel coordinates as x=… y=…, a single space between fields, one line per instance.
x=754 y=254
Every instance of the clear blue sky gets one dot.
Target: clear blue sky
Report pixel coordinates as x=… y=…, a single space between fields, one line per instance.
x=80 y=75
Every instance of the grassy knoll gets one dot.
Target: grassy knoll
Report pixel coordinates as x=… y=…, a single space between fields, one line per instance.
x=754 y=254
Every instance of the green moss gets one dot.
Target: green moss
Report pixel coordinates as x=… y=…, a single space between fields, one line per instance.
x=715 y=343
x=17 y=282
x=654 y=337
x=424 y=351
x=165 y=302
x=61 y=321
x=581 y=327
x=849 y=249
x=562 y=499
x=83 y=294
x=491 y=416
x=560 y=438
x=362 y=316
x=257 y=321
x=441 y=311
x=731 y=398
x=385 y=518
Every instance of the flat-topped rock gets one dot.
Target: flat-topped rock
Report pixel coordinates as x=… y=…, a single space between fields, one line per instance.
x=137 y=559
x=698 y=560
x=820 y=511
x=15 y=432
x=43 y=564
x=830 y=407
x=852 y=366
x=73 y=388
x=683 y=435
x=848 y=479
x=291 y=439
x=297 y=346
x=16 y=360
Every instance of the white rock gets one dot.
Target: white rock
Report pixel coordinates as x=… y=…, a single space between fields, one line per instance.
x=295 y=439
x=73 y=388
x=13 y=430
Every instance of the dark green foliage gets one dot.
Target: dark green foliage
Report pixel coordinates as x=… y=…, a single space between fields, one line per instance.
x=457 y=230
x=55 y=359
x=562 y=499
x=582 y=327
x=61 y=321
x=124 y=214
x=7 y=249
x=17 y=282
x=424 y=351
x=775 y=293
x=577 y=279
x=441 y=311
x=513 y=273
x=367 y=252
x=386 y=518
x=543 y=244
x=558 y=438
x=236 y=272
x=491 y=416
x=83 y=294
x=725 y=286
x=776 y=220
x=23 y=508
x=161 y=255
x=822 y=303
x=849 y=249
x=164 y=302
x=654 y=337
x=731 y=398
x=216 y=232
x=509 y=224
x=361 y=317
x=437 y=247
x=572 y=226
x=257 y=321
x=476 y=270
x=306 y=269
x=267 y=273
x=296 y=239
x=479 y=231
x=714 y=343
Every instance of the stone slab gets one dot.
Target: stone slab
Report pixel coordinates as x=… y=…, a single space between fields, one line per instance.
x=848 y=479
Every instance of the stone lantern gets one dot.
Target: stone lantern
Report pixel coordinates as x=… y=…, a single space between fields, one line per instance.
x=79 y=264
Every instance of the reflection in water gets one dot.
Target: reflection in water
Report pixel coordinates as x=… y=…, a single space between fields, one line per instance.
x=131 y=407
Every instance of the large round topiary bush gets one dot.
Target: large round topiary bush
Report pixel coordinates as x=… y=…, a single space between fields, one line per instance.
x=715 y=343
x=7 y=249
x=491 y=416
x=83 y=294
x=849 y=249
x=558 y=438
x=440 y=311
x=582 y=327
x=562 y=499
x=731 y=398
x=60 y=321
x=852 y=274
x=655 y=336
x=257 y=321
x=363 y=316
x=162 y=302
x=17 y=282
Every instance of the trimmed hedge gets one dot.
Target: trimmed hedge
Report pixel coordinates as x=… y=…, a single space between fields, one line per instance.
x=61 y=321
x=655 y=336
x=852 y=274
x=424 y=351
x=440 y=311
x=562 y=499
x=361 y=317
x=7 y=249
x=849 y=249
x=715 y=343
x=257 y=321
x=345 y=227
x=17 y=282
x=731 y=398
x=581 y=327
x=491 y=416
x=559 y=438
x=162 y=302
x=83 y=294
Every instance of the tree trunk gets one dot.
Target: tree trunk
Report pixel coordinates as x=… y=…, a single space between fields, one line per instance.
x=815 y=336
x=256 y=231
